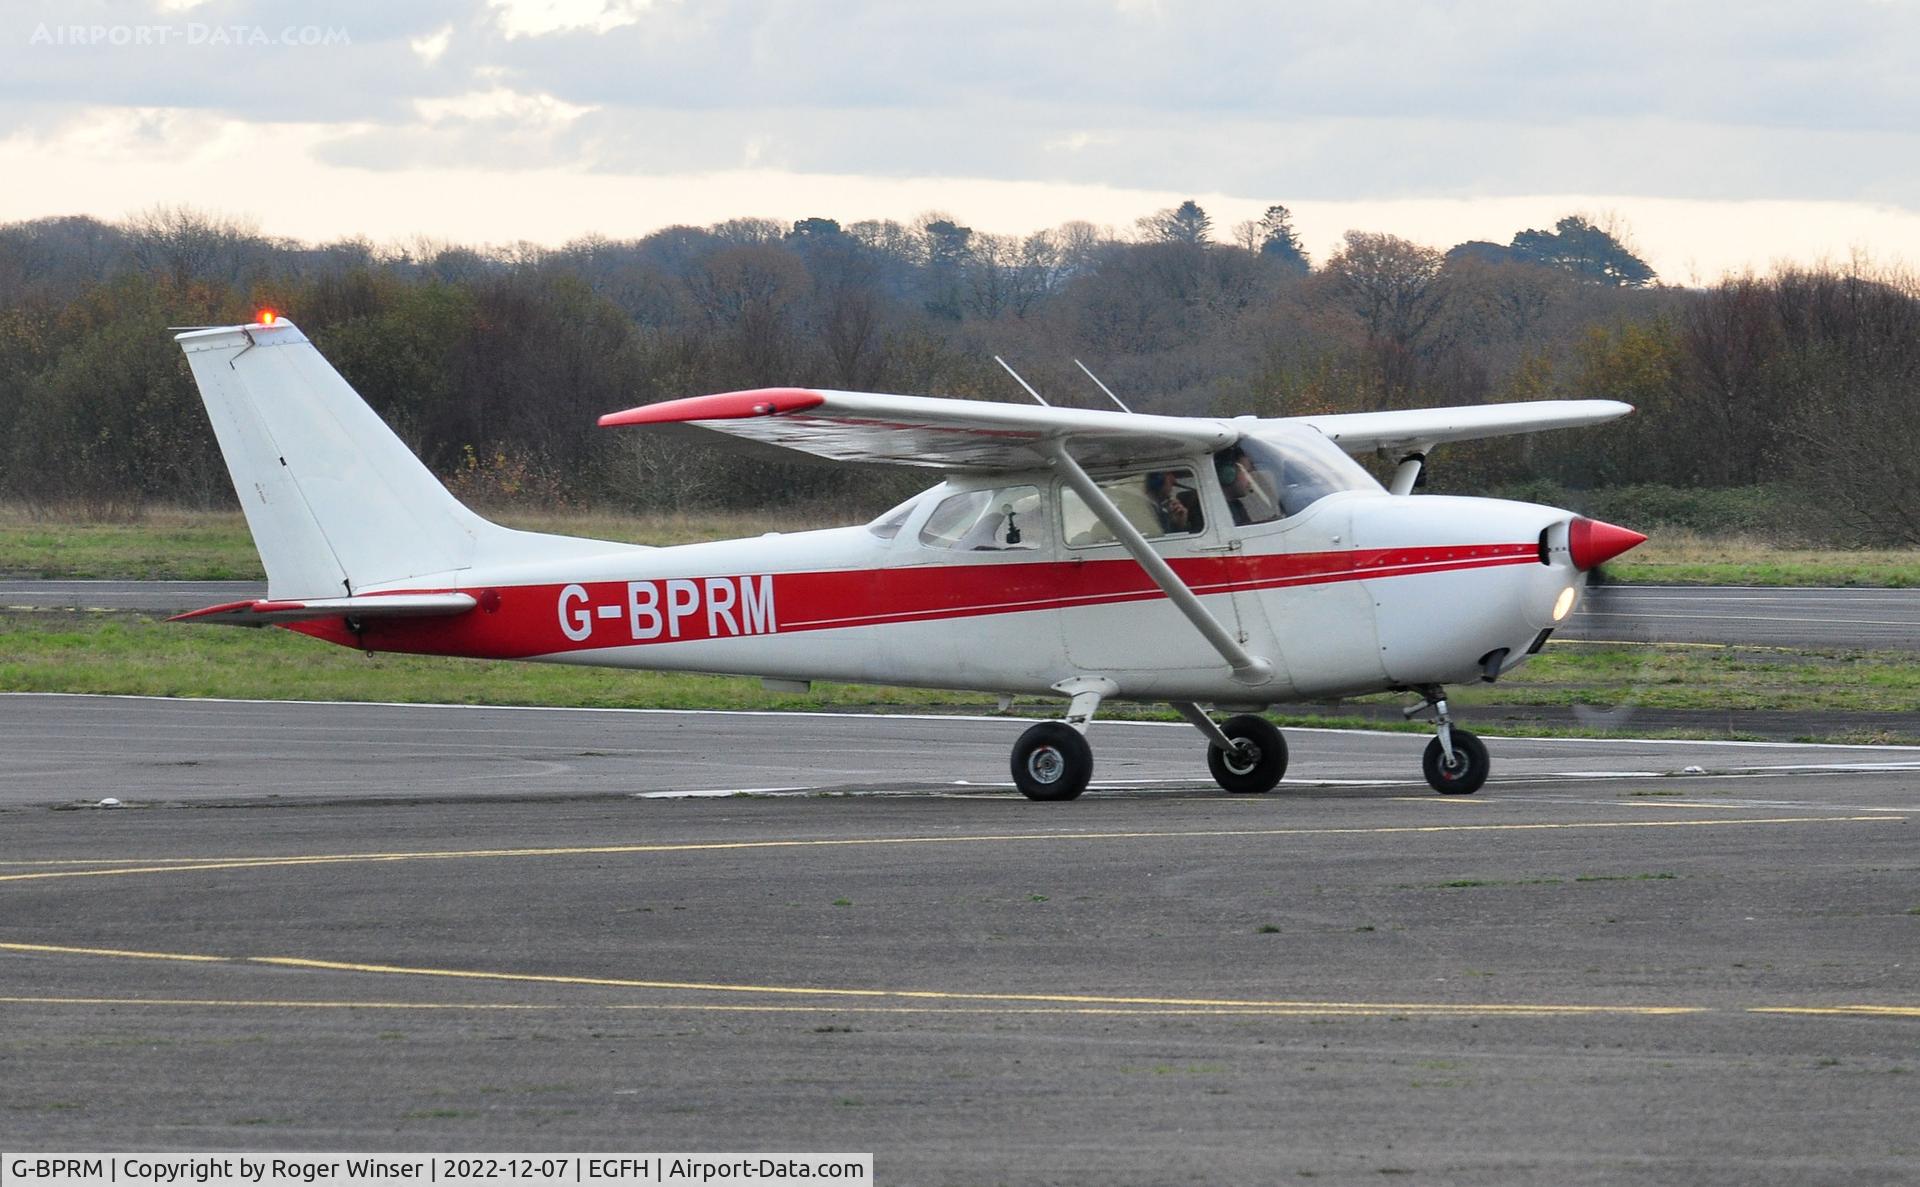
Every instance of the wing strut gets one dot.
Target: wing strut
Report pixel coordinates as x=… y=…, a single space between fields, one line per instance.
x=1407 y=473
x=1247 y=669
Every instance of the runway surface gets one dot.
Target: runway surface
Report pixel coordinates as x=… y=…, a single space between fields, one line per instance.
x=153 y=597
x=1886 y=619
x=372 y=927
x=79 y=749
x=1777 y=617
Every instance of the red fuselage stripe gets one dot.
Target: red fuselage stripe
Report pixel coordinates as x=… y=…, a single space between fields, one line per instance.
x=550 y=619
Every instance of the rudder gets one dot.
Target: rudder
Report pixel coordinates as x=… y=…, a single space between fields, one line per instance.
x=336 y=502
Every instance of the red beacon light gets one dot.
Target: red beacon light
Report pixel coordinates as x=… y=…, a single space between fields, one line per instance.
x=267 y=317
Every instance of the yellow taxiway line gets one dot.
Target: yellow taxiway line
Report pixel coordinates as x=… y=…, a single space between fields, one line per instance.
x=1331 y=1010
x=205 y=865
x=874 y=1000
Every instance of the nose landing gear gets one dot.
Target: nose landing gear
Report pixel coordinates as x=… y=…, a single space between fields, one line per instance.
x=1456 y=762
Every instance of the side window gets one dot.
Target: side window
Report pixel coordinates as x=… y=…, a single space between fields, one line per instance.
x=1158 y=503
x=987 y=521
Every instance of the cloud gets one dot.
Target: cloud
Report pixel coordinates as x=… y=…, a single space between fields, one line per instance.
x=1751 y=64
x=534 y=18
x=1329 y=158
x=262 y=61
x=1321 y=100
x=1315 y=100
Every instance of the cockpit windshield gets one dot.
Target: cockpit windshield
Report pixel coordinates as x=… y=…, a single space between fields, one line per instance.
x=888 y=525
x=1282 y=472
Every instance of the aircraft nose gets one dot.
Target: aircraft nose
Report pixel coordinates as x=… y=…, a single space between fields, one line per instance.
x=1591 y=543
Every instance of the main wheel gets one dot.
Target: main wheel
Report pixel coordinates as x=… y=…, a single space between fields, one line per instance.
x=1051 y=761
x=1257 y=761
x=1465 y=774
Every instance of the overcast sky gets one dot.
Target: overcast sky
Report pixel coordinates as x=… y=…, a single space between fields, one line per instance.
x=1722 y=135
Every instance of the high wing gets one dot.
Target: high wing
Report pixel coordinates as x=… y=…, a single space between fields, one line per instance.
x=976 y=435
x=270 y=613
x=1422 y=428
x=925 y=431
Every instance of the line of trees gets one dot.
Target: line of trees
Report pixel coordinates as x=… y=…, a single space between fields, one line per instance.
x=494 y=363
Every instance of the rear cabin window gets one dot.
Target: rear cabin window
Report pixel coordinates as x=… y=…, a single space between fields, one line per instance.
x=1158 y=503
x=987 y=521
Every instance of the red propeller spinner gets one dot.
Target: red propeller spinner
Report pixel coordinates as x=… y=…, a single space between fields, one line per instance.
x=1592 y=543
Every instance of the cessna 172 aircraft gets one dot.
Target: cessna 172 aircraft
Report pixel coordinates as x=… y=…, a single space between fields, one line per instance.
x=1198 y=561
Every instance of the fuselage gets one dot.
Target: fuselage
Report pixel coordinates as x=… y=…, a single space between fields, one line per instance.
x=1004 y=583
x=1200 y=561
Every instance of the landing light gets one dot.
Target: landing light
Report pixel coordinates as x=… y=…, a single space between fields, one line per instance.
x=1563 y=605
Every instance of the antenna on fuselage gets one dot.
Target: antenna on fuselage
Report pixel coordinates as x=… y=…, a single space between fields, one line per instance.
x=1103 y=387
x=1021 y=382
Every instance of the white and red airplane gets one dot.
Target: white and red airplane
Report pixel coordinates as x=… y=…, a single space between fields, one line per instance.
x=1218 y=565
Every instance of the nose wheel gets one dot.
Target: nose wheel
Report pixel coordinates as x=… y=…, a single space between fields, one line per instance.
x=1456 y=762
x=1464 y=772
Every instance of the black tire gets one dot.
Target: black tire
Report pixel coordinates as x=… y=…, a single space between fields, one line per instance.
x=1468 y=771
x=1051 y=761
x=1256 y=766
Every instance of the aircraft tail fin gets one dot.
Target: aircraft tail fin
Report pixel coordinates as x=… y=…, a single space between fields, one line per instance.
x=336 y=502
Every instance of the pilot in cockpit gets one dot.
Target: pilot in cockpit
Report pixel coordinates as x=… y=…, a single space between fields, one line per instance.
x=1250 y=490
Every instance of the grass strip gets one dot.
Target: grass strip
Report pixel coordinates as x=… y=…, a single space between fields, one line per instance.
x=129 y=654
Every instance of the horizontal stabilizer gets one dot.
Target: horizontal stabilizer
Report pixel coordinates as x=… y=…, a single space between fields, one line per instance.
x=269 y=613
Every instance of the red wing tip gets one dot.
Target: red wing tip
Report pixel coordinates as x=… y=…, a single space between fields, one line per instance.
x=765 y=401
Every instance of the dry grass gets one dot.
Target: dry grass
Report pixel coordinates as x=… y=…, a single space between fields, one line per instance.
x=1678 y=556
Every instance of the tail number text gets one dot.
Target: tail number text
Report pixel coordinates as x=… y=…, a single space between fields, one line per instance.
x=676 y=608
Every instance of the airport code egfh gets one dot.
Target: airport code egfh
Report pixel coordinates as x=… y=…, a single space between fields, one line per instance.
x=365 y=1170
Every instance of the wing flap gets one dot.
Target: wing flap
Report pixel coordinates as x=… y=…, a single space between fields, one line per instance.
x=266 y=612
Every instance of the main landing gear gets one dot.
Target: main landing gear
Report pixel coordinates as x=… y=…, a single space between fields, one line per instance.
x=1246 y=754
x=1052 y=760
x=1456 y=762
